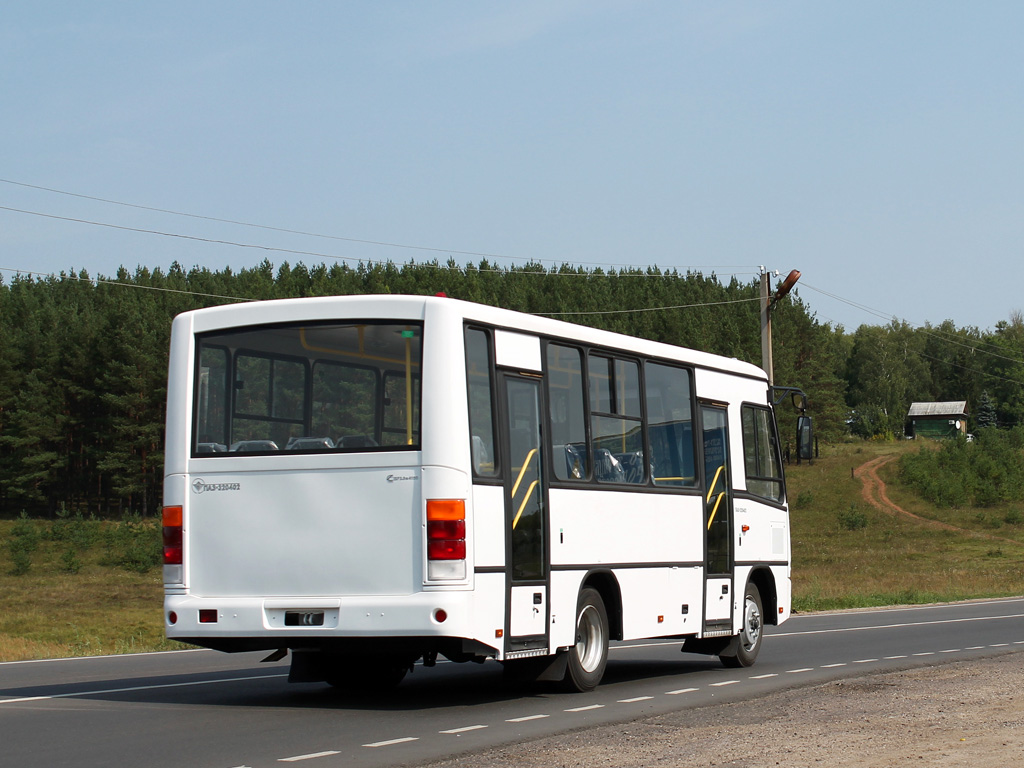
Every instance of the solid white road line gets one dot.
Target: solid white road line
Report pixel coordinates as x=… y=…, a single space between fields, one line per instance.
x=103 y=691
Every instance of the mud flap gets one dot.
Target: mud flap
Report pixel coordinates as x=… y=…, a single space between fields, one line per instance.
x=307 y=667
x=548 y=669
x=712 y=646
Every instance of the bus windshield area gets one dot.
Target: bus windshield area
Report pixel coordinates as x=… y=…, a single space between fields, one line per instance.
x=309 y=388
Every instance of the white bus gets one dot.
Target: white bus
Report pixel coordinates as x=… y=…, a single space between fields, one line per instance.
x=368 y=481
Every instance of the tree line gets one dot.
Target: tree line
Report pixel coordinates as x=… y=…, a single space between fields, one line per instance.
x=85 y=359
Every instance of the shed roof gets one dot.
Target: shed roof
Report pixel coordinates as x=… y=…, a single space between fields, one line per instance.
x=950 y=408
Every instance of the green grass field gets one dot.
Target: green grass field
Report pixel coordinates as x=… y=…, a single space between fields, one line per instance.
x=74 y=587
x=848 y=554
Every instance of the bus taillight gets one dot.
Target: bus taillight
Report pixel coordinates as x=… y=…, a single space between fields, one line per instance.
x=446 y=539
x=173 y=539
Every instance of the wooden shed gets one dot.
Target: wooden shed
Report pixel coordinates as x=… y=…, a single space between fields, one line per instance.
x=937 y=419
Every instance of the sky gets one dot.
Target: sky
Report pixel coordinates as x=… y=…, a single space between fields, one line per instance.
x=877 y=147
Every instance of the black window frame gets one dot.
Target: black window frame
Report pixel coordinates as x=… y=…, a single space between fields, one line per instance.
x=221 y=341
x=773 y=437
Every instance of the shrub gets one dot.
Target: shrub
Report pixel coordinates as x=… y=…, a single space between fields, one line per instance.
x=133 y=544
x=853 y=519
x=24 y=540
x=69 y=562
x=984 y=473
x=805 y=500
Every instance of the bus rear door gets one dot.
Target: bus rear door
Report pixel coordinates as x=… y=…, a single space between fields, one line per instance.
x=527 y=572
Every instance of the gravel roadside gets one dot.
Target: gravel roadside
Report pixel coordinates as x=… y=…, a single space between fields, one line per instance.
x=958 y=714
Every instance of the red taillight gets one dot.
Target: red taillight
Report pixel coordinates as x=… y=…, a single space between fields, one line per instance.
x=446 y=529
x=207 y=615
x=173 y=540
x=446 y=549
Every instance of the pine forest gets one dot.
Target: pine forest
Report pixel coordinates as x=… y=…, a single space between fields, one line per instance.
x=85 y=358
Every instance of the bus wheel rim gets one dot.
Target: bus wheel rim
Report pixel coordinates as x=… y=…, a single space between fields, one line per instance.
x=589 y=638
x=751 y=625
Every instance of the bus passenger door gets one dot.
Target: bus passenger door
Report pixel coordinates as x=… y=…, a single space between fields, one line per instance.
x=525 y=518
x=718 y=549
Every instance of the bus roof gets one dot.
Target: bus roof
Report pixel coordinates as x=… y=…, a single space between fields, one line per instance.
x=404 y=307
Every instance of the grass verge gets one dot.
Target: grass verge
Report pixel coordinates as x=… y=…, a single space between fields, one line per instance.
x=79 y=587
x=848 y=554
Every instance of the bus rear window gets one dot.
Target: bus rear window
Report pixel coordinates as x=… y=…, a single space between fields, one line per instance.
x=309 y=388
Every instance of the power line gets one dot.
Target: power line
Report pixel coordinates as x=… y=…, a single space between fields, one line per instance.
x=101 y=281
x=320 y=235
x=647 y=309
x=927 y=331
x=634 y=272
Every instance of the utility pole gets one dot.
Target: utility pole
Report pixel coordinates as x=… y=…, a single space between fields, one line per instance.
x=767 y=305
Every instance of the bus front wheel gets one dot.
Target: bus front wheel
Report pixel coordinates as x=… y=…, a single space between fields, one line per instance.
x=748 y=643
x=589 y=657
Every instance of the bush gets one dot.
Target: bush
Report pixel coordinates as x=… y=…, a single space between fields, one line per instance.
x=804 y=501
x=985 y=473
x=23 y=542
x=853 y=519
x=69 y=562
x=75 y=530
x=134 y=544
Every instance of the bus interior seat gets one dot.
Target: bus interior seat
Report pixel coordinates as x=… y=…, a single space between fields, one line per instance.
x=253 y=446
x=355 y=441
x=309 y=443
x=607 y=467
x=632 y=467
x=480 y=455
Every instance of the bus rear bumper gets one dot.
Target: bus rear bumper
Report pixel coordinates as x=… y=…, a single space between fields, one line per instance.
x=269 y=622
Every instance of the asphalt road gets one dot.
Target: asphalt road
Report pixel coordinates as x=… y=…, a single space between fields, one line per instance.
x=202 y=708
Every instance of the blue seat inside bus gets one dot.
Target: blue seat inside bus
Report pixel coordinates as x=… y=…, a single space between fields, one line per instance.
x=575 y=458
x=607 y=468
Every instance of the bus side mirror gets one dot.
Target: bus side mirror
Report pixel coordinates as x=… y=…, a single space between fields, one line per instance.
x=804 y=438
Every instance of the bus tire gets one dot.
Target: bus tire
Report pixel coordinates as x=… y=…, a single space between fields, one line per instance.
x=748 y=642
x=589 y=657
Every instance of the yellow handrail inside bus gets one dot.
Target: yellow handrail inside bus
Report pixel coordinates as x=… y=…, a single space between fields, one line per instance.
x=714 y=511
x=358 y=354
x=526 y=498
x=714 y=482
x=526 y=464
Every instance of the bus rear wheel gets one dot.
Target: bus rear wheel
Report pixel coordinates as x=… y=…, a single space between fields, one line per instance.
x=748 y=643
x=589 y=657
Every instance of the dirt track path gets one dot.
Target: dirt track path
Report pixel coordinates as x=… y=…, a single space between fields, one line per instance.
x=874 y=492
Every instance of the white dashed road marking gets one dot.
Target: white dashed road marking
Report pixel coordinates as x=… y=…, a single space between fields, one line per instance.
x=311 y=756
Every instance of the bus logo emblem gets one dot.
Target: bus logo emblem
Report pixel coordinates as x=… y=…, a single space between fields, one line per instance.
x=201 y=486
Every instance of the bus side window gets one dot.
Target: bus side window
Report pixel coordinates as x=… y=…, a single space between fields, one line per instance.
x=761 y=458
x=615 y=420
x=566 y=413
x=480 y=391
x=670 y=425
